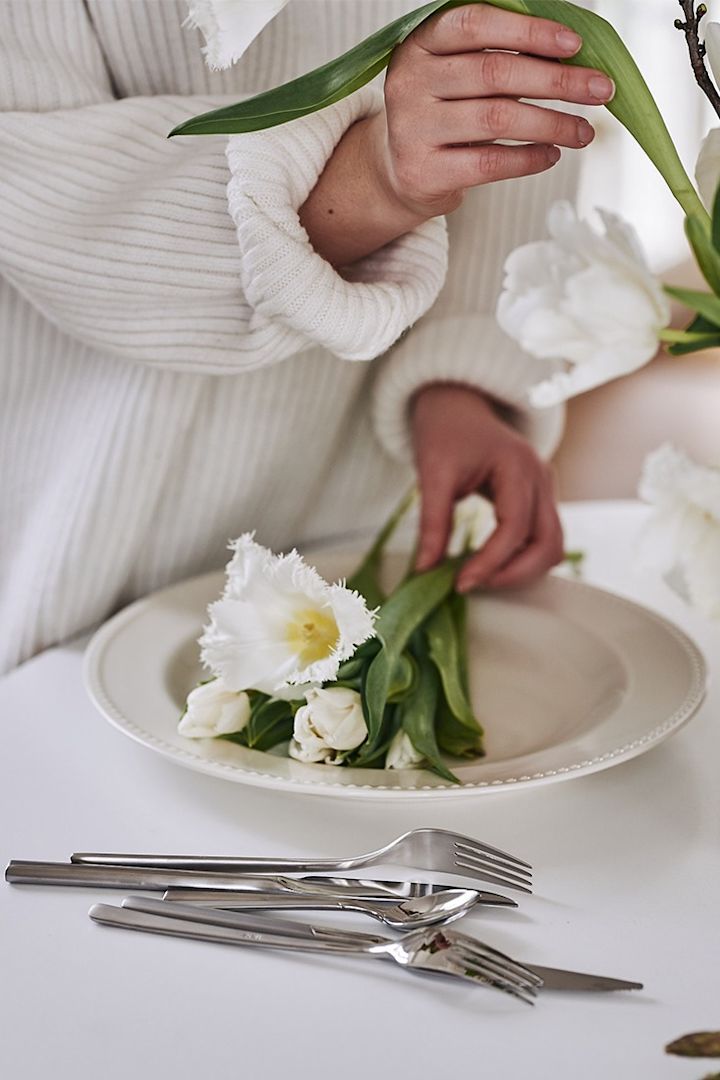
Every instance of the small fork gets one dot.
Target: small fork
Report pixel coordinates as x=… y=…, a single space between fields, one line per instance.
x=427 y=849
x=424 y=950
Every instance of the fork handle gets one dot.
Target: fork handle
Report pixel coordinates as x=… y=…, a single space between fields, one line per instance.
x=132 y=919
x=218 y=863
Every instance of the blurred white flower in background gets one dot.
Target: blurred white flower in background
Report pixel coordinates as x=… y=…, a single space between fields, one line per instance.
x=707 y=169
x=332 y=720
x=583 y=297
x=213 y=710
x=230 y=26
x=682 y=537
x=279 y=625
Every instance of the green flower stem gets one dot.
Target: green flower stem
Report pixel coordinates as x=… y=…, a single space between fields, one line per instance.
x=682 y=337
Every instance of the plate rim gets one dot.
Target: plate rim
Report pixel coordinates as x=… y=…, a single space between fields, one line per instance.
x=97 y=647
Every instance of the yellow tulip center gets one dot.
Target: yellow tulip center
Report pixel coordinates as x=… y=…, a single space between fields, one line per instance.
x=312 y=634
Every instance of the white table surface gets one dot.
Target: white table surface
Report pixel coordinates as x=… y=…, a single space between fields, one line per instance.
x=627 y=884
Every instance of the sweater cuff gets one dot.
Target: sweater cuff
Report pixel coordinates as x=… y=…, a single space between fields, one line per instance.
x=285 y=281
x=471 y=350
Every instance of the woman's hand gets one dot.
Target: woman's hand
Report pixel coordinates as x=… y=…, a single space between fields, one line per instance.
x=462 y=446
x=452 y=90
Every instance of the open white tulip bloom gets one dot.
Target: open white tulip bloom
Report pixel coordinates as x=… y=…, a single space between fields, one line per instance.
x=230 y=26
x=707 y=169
x=683 y=533
x=214 y=710
x=279 y=625
x=402 y=754
x=474 y=522
x=585 y=298
x=331 y=721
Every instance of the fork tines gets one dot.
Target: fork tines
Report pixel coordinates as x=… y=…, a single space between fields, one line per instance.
x=492 y=865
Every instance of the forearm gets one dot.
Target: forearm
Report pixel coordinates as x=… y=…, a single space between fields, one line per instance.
x=353 y=210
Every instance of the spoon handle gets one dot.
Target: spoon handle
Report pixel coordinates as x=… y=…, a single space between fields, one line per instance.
x=267 y=901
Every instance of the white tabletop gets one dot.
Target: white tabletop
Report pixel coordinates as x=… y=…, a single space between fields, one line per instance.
x=627 y=884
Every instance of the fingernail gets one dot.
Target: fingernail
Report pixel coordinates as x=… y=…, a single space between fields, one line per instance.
x=553 y=154
x=602 y=88
x=585 y=133
x=569 y=42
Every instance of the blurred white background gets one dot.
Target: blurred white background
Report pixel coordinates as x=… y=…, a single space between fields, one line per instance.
x=617 y=175
x=610 y=430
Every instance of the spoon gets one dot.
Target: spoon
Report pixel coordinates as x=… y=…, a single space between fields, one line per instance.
x=410 y=914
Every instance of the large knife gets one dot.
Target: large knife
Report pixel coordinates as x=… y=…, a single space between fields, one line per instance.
x=141 y=913
x=87 y=875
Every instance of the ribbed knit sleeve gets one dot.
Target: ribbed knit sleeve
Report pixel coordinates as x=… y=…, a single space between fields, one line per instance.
x=471 y=350
x=123 y=238
x=291 y=288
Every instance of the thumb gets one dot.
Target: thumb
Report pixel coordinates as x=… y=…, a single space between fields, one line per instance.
x=437 y=500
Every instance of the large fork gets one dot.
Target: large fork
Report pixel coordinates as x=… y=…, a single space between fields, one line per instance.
x=424 y=950
x=427 y=849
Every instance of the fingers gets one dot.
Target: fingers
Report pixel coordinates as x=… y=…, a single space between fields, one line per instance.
x=502 y=74
x=515 y=508
x=481 y=26
x=437 y=500
x=487 y=119
x=471 y=166
x=530 y=556
x=544 y=551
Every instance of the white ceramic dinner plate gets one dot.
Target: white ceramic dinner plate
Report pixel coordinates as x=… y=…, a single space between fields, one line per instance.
x=567 y=679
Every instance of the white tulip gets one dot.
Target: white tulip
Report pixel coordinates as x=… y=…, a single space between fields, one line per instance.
x=331 y=721
x=707 y=169
x=230 y=26
x=213 y=710
x=711 y=31
x=279 y=625
x=474 y=522
x=682 y=537
x=402 y=754
x=584 y=298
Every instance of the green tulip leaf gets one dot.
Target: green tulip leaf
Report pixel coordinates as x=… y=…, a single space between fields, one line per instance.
x=269 y=724
x=706 y=304
x=418 y=712
x=708 y=259
x=399 y=617
x=444 y=649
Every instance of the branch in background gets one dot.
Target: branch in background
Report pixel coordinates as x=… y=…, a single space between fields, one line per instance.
x=696 y=48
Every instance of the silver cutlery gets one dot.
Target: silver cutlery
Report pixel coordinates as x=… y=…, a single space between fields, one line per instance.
x=86 y=875
x=428 y=849
x=467 y=948
x=423 y=950
x=408 y=915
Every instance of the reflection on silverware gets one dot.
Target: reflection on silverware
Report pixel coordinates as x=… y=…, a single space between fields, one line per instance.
x=423 y=950
x=146 y=878
x=412 y=914
x=428 y=849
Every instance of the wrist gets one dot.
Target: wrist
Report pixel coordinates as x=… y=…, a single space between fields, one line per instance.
x=353 y=209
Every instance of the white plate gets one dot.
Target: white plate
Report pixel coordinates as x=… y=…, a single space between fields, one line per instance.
x=566 y=678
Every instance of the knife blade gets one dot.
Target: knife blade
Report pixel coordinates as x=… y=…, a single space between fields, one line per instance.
x=557 y=979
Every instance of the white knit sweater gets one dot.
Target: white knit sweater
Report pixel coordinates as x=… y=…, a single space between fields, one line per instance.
x=178 y=365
